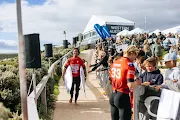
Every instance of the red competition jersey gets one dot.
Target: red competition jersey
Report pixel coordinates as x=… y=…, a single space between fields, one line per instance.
x=75 y=63
x=121 y=72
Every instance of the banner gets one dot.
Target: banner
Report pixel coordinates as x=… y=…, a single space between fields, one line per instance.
x=123 y=47
x=148 y=104
x=106 y=31
x=114 y=29
x=98 y=29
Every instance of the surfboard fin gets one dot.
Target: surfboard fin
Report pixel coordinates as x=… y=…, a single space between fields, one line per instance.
x=85 y=94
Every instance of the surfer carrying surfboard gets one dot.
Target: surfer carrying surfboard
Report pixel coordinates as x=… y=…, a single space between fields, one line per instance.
x=75 y=63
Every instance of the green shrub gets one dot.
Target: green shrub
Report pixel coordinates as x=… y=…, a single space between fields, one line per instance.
x=9 y=90
x=58 y=70
x=4 y=112
x=10 y=85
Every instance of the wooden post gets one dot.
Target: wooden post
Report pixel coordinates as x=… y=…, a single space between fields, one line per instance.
x=22 y=70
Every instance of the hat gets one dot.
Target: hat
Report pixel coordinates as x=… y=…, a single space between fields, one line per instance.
x=169 y=57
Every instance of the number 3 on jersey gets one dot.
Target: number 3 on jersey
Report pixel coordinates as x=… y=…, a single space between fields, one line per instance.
x=116 y=73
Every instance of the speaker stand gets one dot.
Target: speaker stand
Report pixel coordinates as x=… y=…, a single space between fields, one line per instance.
x=49 y=62
x=34 y=84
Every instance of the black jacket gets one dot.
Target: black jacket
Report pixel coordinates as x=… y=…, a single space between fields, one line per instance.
x=154 y=77
x=103 y=62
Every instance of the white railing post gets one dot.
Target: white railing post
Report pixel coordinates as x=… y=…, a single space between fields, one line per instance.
x=43 y=99
x=52 y=74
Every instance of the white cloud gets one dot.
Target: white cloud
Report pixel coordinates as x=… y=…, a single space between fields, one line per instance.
x=8 y=43
x=8 y=51
x=55 y=16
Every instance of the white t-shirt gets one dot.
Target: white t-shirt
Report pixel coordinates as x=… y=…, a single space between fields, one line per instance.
x=172 y=74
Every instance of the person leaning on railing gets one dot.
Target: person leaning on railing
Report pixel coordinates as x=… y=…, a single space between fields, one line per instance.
x=112 y=53
x=122 y=73
x=103 y=62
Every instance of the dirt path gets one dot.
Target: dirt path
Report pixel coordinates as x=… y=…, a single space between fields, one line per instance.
x=95 y=106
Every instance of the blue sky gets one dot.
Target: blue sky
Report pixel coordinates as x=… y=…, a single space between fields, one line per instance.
x=31 y=2
x=8 y=35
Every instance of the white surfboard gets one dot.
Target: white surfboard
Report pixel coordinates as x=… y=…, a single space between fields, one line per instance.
x=82 y=77
x=64 y=60
x=68 y=79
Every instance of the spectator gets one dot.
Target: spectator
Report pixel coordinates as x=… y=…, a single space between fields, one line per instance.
x=111 y=53
x=174 y=50
x=172 y=74
x=140 y=69
x=147 y=49
x=161 y=36
x=157 y=51
x=134 y=42
x=151 y=76
x=141 y=53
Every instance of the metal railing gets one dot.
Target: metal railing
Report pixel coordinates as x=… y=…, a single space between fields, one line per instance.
x=103 y=76
x=40 y=89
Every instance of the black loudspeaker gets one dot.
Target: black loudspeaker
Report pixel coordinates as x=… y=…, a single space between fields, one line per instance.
x=32 y=51
x=75 y=40
x=48 y=50
x=65 y=44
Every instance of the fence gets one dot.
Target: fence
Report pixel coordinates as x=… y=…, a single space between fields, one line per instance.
x=41 y=89
x=148 y=103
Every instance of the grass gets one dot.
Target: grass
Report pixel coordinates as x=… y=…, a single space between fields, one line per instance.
x=164 y=52
x=56 y=90
x=56 y=86
x=3 y=56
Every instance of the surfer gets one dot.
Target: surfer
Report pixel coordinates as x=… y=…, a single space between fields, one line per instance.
x=75 y=62
x=122 y=74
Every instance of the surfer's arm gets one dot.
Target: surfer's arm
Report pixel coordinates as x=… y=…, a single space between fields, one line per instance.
x=85 y=73
x=65 y=67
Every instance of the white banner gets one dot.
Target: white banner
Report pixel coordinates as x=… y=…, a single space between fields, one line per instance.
x=123 y=47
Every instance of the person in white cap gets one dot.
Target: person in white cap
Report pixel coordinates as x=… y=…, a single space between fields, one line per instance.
x=172 y=74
